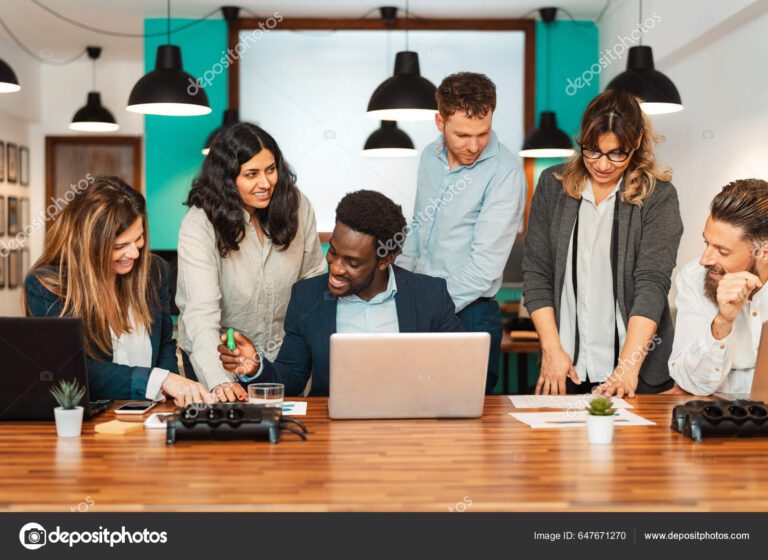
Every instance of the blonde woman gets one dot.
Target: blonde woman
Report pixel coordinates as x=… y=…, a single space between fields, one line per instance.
x=601 y=244
x=95 y=266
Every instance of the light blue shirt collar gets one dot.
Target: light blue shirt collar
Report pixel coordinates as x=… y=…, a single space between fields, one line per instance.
x=381 y=297
x=491 y=150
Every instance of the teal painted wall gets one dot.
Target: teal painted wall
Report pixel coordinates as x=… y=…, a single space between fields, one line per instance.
x=172 y=144
x=574 y=48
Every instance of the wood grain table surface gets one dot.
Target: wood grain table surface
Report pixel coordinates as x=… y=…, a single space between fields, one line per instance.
x=488 y=464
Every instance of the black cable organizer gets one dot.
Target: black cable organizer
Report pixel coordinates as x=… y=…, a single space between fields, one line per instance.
x=720 y=418
x=231 y=421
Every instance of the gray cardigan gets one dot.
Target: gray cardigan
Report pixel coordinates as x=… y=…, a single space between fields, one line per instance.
x=648 y=238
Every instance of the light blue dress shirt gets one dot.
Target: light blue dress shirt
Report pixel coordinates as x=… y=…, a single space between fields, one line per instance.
x=465 y=220
x=379 y=315
x=355 y=315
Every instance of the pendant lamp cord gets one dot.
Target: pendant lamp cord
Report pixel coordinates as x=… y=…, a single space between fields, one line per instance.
x=168 y=23
x=549 y=65
x=407 y=23
x=640 y=20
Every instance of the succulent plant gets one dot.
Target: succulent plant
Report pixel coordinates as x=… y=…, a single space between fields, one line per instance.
x=68 y=394
x=601 y=406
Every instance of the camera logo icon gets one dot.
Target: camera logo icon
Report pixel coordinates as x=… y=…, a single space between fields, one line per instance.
x=32 y=536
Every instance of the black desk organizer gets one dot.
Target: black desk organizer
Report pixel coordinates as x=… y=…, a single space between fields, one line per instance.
x=740 y=418
x=230 y=421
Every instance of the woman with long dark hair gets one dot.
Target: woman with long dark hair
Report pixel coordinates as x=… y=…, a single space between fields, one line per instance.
x=249 y=235
x=601 y=244
x=95 y=266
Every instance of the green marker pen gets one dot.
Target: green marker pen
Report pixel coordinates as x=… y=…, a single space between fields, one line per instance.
x=231 y=339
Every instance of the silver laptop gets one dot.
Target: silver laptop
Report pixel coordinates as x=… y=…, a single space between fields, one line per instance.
x=409 y=375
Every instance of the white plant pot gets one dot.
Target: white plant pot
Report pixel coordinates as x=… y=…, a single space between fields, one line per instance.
x=69 y=423
x=600 y=429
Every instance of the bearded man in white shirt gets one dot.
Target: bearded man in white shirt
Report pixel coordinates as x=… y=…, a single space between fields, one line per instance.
x=721 y=302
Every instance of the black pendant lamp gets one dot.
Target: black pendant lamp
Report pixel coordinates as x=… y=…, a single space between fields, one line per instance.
x=231 y=116
x=389 y=142
x=168 y=90
x=406 y=96
x=8 y=80
x=658 y=94
x=94 y=117
x=547 y=141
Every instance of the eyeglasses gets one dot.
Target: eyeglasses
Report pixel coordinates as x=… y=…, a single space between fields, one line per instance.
x=615 y=156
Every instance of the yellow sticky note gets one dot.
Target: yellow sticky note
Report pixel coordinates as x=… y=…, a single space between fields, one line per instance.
x=115 y=427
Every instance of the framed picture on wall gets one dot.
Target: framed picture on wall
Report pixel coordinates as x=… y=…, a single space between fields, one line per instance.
x=2 y=215
x=2 y=161
x=69 y=160
x=14 y=269
x=24 y=213
x=12 y=162
x=3 y=266
x=24 y=166
x=24 y=264
x=14 y=226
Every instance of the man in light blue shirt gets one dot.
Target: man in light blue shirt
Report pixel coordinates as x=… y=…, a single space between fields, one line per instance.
x=470 y=200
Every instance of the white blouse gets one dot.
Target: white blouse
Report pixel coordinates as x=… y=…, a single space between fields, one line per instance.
x=597 y=309
x=134 y=349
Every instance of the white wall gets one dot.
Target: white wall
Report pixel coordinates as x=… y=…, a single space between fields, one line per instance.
x=49 y=97
x=715 y=53
x=322 y=129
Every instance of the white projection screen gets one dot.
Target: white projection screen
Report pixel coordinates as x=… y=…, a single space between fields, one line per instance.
x=310 y=90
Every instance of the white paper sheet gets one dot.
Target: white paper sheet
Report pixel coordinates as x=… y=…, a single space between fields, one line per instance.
x=575 y=419
x=294 y=408
x=560 y=401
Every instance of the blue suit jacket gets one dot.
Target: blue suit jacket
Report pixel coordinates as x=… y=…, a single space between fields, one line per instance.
x=107 y=380
x=422 y=302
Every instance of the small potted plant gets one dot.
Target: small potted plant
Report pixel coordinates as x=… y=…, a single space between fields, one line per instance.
x=69 y=416
x=600 y=420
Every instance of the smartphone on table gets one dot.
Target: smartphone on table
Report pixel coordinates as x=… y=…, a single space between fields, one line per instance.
x=136 y=407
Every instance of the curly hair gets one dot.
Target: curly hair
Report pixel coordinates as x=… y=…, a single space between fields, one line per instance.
x=618 y=112
x=468 y=92
x=215 y=191
x=372 y=213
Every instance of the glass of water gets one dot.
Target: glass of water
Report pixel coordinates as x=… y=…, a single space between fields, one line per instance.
x=268 y=394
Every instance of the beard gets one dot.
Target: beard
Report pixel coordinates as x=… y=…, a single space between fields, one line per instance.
x=710 y=285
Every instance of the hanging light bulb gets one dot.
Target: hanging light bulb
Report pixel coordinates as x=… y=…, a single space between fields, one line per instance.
x=9 y=83
x=167 y=90
x=547 y=141
x=94 y=117
x=658 y=94
x=389 y=142
x=406 y=96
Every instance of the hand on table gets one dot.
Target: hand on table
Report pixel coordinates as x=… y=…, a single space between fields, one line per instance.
x=556 y=366
x=185 y=391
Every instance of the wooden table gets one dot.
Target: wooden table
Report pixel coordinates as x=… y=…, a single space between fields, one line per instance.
x=494 y=462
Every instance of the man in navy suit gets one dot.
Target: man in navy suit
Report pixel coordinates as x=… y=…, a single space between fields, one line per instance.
x=362 y=293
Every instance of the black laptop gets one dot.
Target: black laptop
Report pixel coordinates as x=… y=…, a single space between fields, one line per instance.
x=35 y=354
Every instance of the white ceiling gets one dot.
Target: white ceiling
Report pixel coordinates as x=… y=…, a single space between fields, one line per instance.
x=43 y=33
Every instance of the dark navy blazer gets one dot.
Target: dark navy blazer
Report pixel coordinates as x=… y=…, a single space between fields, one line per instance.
x=107 y=380
x=422 y=302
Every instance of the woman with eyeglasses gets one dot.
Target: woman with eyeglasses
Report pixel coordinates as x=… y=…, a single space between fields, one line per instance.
x=602 y=241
